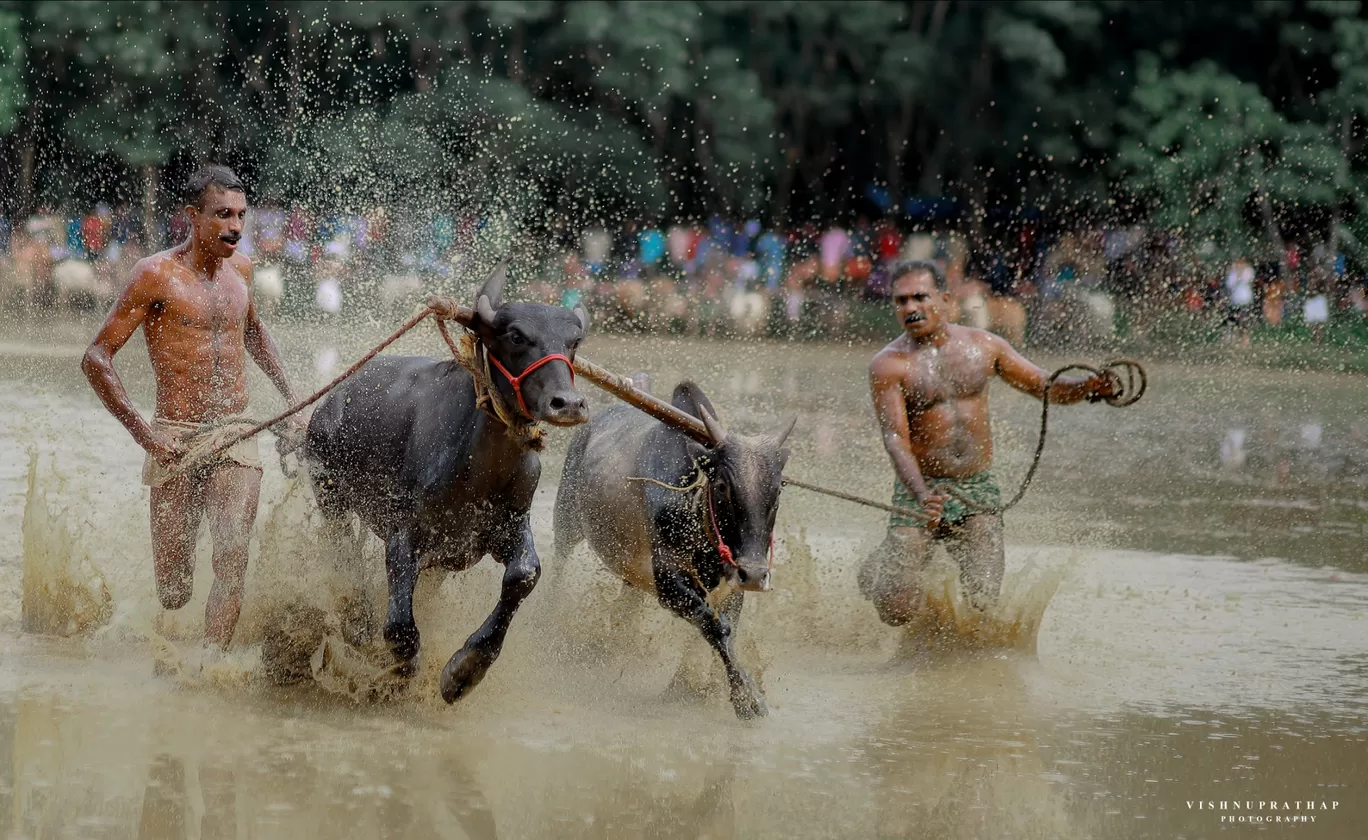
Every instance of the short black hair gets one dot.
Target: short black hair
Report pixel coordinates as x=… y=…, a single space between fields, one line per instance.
x=902 y=269
x=202 y=179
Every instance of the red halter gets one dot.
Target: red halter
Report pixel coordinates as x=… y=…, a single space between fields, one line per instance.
x=722 y=547
x=516 y=381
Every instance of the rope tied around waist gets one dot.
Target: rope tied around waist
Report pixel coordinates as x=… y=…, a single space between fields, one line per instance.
x=209 y=439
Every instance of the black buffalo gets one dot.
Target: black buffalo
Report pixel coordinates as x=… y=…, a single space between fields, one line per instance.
x=404 y=445
x=699 y=545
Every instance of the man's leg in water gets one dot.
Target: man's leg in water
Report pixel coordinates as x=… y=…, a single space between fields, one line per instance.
x=230 y=499
x=976 y=546
x=892 y=576
x=177 y=507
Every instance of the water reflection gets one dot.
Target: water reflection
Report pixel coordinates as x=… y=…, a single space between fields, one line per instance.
x=69 y=777
x=163 y=806
x=953 y=759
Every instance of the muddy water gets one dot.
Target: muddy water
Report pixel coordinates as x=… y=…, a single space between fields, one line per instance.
x=1185 y=622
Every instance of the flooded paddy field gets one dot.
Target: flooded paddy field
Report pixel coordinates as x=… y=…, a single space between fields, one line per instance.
x=1184 y=622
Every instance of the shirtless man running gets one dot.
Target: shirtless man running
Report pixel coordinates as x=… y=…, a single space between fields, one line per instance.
x=930 y=390
x=194 y=303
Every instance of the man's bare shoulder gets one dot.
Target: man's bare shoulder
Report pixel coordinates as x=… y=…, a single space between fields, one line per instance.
x=151 y=273
x=974 y=339
x=242 y=264
x=892 y=359
x=972 y=335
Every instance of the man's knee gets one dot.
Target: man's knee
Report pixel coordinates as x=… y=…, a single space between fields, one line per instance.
x=174 y=589
x=889 y=576
x=981 y=558
x=230 y=563
x=896 y=608
x=173 y=561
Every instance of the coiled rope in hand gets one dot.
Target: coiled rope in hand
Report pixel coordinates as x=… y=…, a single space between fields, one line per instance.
x=1129 y=381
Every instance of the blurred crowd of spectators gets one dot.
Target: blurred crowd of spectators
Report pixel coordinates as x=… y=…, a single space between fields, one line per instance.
x=720 y=276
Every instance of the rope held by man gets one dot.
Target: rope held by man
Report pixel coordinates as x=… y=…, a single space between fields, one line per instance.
x=442 y=310
x=1127 y=374
x=187 y=462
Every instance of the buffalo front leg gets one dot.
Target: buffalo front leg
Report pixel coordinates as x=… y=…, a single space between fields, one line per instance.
x=401 y=632
x=469 y=665
x=679 y=595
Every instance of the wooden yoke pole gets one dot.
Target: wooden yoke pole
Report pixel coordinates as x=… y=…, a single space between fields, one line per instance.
x=619 y=386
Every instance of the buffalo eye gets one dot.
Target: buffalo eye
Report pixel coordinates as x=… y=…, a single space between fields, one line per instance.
x=516 y=337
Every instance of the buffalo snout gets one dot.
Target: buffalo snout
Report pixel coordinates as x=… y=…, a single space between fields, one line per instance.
x=751 y=576
x=566 y=408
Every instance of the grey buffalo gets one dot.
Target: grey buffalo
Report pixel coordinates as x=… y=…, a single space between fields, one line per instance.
x=692 y=523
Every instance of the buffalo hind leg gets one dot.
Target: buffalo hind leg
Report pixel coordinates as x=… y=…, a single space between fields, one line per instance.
x=469 y=665
x=401 y=632
x=678 y=595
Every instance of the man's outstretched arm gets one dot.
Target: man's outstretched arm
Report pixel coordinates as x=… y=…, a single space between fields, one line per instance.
x=1024 y=376
x=262 y=348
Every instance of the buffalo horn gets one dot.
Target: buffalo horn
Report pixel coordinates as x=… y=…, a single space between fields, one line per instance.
x=583 y=315
x=715 y=430
x=493 y=287
x=788 y=429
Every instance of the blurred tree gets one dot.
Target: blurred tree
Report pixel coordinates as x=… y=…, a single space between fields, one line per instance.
x=145 y=74
x=1199 y=148
x=12 y=60
x=598 y=109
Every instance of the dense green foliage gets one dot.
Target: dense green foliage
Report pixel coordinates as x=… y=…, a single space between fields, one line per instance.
x=1232 y=121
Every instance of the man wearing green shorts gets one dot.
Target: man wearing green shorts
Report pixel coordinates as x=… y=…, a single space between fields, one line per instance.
x=930 y=391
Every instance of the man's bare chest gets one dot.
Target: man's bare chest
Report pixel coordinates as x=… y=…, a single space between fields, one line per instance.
x=219 y=308
x=936 y=376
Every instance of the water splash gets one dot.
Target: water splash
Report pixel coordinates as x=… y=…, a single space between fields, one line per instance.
x=949 y=623
x=64 y=593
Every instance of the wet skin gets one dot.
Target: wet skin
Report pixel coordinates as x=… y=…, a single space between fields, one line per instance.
x=194 y=304
x=930 y=392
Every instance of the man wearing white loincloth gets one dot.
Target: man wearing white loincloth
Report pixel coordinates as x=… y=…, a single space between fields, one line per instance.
x=194 y=303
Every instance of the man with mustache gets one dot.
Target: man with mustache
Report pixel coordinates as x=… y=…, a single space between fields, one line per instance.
x=194 y=303
x=930 y=391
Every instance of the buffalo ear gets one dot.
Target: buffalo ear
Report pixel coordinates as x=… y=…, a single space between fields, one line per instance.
x=583 y=315
x=493 y=287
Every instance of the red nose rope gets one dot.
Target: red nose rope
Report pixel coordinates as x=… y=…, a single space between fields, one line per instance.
x=516 y=381
x=722 y=547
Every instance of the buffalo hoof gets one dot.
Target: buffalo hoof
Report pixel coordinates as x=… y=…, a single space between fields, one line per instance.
x=747 y=701
x=403 y=641
x=463 y=672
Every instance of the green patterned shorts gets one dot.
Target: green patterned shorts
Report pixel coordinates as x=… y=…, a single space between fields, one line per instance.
x=980 y=488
